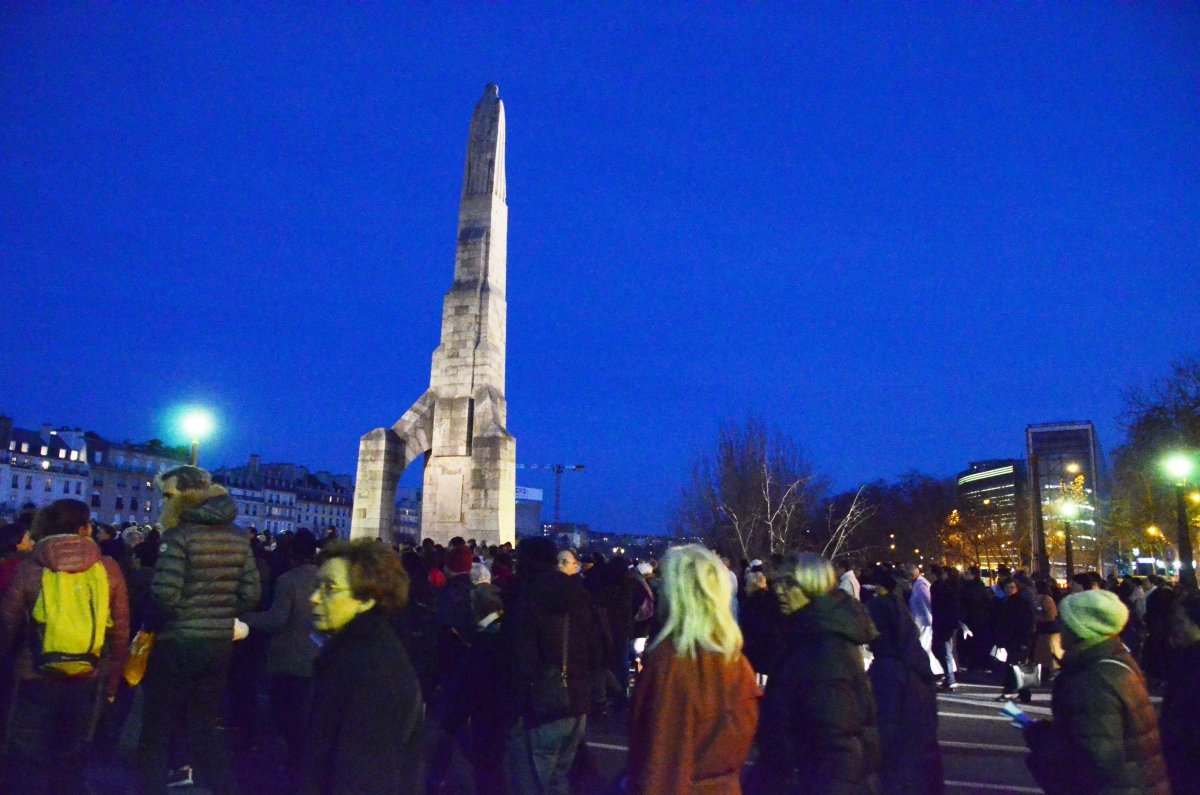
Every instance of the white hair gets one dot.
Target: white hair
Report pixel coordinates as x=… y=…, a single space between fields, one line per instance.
x=480 y=573
x=698 y=597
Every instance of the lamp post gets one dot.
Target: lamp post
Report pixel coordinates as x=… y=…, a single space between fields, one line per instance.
x=197 y=424
x=1069 y=509
x=1179 y=466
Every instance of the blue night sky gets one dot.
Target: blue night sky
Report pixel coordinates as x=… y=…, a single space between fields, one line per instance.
x=901 y=234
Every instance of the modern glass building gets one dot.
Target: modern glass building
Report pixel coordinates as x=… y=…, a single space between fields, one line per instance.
x=991 y=490
x=1066 y=464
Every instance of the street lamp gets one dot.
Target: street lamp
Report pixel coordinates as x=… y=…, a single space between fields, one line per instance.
x=197 y=423
x=1179 y=466
x=1068 y=510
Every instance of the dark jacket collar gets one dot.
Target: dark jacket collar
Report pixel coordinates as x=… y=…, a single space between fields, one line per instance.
x=1080 y=659
x=363 y=628
x=834 y=614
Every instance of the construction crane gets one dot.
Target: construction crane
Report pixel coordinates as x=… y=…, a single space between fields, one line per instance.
x=558 y=470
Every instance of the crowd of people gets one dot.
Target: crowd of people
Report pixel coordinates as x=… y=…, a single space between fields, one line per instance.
x=379 y=663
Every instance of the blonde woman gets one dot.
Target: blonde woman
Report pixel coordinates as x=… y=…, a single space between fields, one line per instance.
x=818 y=731
x=695 y=706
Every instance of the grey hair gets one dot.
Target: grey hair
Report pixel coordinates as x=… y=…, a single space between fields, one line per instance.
x=813 y=574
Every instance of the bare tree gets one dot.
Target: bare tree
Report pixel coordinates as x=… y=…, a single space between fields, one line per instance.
x=755 y=497
x=854 y=518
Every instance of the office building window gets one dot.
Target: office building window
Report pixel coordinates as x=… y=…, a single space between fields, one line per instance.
x=66 y=487
x=78 y=487
x=16 y=481
x=133 y=503
x=95 y=499
x=28 y=482
x=49 y=485
x=120 y=503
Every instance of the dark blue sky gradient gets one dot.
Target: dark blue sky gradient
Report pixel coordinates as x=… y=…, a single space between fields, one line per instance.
x=901 y=235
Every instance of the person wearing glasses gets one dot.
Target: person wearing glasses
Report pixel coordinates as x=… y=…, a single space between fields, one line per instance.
x=817 y=729
x=364 y=731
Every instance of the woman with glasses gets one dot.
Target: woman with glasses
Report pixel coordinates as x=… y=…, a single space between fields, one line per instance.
x=817 y=732
x=366 y=721
x=695 y=706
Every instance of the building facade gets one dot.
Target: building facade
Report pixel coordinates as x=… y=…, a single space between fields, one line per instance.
x=282 y=498
x=991 y=491
x=1066 y=465
x=115 y=479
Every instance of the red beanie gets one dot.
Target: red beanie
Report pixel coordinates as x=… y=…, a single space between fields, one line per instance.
x=459 y=560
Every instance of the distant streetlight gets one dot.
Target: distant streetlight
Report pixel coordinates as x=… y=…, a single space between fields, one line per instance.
x=1179 y=467
x=1068 y=510
x=1073 y=468
x=197 y=424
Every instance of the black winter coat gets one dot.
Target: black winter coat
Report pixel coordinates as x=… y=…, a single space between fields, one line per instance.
x=533 y=630
x=1013 y=626
x=206 y=574
x=817 y=728
x=945 y=598
x=905 y=700
x=1180 y=720
x=1104 y=735
x=761 y=624
x=367 y=714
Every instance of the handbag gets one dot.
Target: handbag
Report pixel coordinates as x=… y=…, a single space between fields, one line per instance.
x=139 y=655
x=550 y=698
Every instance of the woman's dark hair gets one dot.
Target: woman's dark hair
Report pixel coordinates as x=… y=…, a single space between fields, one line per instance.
x=419 y=589
x=61 y=517
x=536 y=555
x=303 y=546
x=374 y=570
x=10 y=536
x=147 y=554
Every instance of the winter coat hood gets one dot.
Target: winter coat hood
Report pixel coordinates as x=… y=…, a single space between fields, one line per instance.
x=208 y=506
x=69 y=553
x=834 y=614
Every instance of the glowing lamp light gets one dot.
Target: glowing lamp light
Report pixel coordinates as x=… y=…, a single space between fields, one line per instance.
x=1179 y=466
x=197 y=423
x=1073 y=468
x=1069 y=509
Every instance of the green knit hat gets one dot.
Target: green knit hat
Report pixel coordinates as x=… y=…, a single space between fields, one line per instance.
x=1093 y=616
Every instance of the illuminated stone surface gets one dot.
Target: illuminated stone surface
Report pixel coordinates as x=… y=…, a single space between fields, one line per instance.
x=459 y=423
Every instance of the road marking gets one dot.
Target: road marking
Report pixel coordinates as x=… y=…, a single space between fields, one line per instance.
x=981 y=785
x=972 y=716
x=1007 y=749
x=998 y=705
x=607 y=746
x=1004 y=749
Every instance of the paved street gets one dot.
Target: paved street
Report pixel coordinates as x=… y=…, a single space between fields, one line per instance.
x=981 y=750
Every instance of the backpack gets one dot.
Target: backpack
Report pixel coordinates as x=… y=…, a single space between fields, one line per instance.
x=70 y=620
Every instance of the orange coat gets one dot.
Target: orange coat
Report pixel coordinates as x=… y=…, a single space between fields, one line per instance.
x=691 y=723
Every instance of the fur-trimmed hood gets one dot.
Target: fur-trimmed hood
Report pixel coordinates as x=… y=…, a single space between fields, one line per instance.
x=211 y=505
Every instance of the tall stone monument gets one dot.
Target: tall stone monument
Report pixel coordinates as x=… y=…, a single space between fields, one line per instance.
x=458 y=425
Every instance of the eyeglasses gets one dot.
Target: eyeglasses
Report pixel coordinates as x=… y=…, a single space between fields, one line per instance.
x=328 y=588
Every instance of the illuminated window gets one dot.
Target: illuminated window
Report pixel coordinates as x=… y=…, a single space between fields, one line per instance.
x=45 y=450
x=74 y=455
x=62 y=452
x=24 y=447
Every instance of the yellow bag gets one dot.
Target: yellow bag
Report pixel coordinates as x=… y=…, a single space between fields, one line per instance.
x=70 y=620
x=139 y=655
